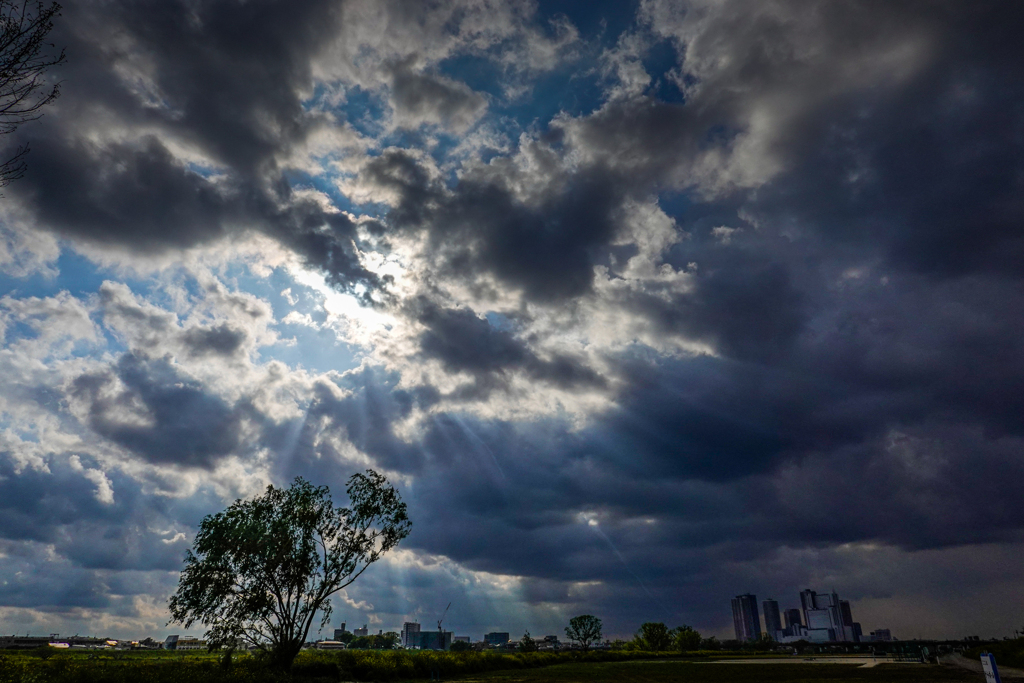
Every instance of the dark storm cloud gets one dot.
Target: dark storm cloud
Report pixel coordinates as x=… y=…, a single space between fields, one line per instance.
x=420 y=97
x=366 y=415
x=901 y=131
x=63 y=548
x=133 y=195
x=548 y=247
x=929 y=178
x=742 y=305
x=222 y=340
x=158 y=415
x=34 y=582
x=61 y=507
x=464 y=342
x=222 y=79
x=32 y=510
x=733 y=460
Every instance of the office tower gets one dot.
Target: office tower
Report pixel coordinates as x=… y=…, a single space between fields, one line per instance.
x=772 y=622
x=793 y=619
x=745 y=618
x=846 y=616
x=807 y=603
x=432 y=640
x=409 y=628
x=845 y=613
x=823 y=617
x=496 y=638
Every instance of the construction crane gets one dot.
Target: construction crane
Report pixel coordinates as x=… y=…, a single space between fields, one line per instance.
x=440 y=634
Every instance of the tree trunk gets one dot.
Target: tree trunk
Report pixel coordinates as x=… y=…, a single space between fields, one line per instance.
x=284 y=654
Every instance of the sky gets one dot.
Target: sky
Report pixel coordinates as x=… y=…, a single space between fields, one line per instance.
x=641 y=306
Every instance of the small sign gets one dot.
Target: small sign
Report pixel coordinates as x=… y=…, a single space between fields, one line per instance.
x=988 y=663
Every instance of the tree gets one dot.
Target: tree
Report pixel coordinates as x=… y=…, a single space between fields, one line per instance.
x=686 y=638
x=387 y=641
x=378 y=641
x=653 y=637
x=259 y=572
x=24 y=59
x=360 y=643
x=527 y=644
x=460 y=646
x=584 y=629
x=710 y=644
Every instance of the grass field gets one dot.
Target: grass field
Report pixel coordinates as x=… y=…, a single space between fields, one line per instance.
x=332 y=667
x=690 y=672
x=1007 y=652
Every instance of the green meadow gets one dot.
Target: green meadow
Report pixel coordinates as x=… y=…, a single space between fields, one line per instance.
x=597 y=667
x=703 y=672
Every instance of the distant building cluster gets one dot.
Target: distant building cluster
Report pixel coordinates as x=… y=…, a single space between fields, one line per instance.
x=821 y=618
x=413 y=637
x=178 y=643
x=74 y=643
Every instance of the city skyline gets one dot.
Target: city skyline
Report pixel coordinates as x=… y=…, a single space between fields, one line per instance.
x=639 y=305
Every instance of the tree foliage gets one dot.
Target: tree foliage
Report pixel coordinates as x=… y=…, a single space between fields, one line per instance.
x=259 y=572
x=653 y=637
x=527 y=644
x=584 y=629
x=686 y=638
x=379 y=641
x=24 y=59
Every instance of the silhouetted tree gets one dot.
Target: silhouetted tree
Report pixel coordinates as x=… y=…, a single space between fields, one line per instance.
x=653 y=636
x=24 y=58
x=360 y=643
x=710 y=644
x=259 y=572
x=584 y=629
x=686 y=638
x=377 y=641
x=527 y=644
x=460 y=646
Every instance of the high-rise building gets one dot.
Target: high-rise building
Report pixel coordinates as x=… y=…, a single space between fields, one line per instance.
x=432 y=640
x=364 y=631
x=745 y=618
x=823 y=617
x=772 y=622
x=409 y=628
x=844 y=611
x=496 y=638
x=851 y=630
x=807 y=603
